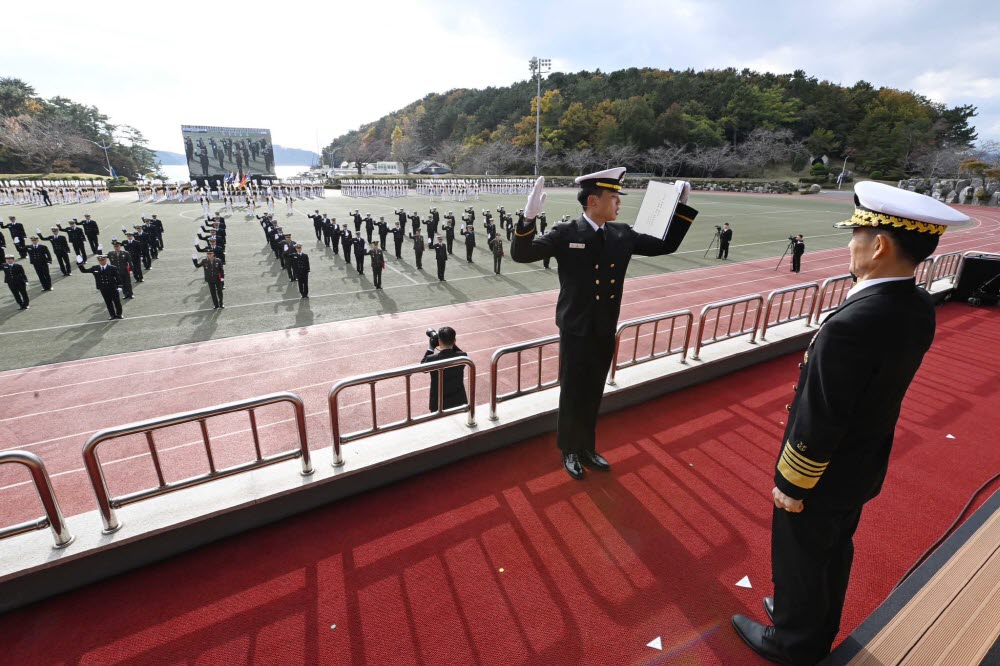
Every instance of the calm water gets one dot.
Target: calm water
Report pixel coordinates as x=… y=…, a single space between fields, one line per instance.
x=179 y=172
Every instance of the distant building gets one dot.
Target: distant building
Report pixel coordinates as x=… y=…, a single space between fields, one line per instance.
x=369 y=169
x=430 y=168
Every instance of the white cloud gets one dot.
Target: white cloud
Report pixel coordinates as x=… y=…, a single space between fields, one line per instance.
x=952 y=85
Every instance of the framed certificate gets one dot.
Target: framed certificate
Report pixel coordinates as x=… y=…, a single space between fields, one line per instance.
x=657 y=210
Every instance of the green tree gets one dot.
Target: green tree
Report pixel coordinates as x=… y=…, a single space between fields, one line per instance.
x=822 y=142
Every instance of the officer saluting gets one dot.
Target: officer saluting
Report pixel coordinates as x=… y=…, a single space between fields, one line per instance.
x=835 y=449
x=107 y=282
x=593 y=254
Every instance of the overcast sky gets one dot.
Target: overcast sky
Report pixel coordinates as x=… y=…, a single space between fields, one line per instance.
x=311 y=71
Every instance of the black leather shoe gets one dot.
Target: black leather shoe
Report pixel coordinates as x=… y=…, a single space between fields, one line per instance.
x=760 y=638
x=571 y=462
x=594 y=460
x=769 y=608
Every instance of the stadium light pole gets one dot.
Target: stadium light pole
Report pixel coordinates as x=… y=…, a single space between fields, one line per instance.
x=538 y=66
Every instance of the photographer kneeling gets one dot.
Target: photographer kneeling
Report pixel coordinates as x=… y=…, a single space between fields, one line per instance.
x=442 y=346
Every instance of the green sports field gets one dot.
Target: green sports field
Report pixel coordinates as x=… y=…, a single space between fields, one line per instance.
x=173 y=305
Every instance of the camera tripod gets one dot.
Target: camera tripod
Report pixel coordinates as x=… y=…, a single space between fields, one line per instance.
x=712 y=242
x=788 y=248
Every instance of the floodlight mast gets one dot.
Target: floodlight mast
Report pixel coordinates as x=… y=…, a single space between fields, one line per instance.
x=538 y=66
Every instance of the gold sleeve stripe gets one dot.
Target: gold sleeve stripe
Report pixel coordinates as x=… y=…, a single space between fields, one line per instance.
x=794 y=477
x=686 y=219
x=527 y=232
x=803 y=462
x=791 y=464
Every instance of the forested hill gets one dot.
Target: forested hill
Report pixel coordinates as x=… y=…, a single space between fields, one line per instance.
x=631 y=112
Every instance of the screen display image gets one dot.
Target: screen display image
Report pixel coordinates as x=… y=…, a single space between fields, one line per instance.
x=217 y=151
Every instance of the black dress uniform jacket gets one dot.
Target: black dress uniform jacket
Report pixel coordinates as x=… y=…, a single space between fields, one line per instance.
x=14 y=275
x=591 y=275
x=454 y=379
x=850 y=390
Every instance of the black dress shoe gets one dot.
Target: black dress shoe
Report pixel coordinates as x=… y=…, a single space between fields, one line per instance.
x=769 y=608
x=594 y=460
x=571 y=462
x=760 y=638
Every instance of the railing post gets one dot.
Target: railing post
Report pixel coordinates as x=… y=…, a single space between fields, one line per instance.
x=54 y=518
x=100 y=485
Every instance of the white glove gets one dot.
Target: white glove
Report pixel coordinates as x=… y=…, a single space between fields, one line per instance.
x=196 y=245
x=119 y=290
x=79 y=259
x=17 y=240
x=195 y=256
x=38 y=231
x=124 y=230
x=100 y=248
x=286 y=248
x=536 y=199
x=683 y=189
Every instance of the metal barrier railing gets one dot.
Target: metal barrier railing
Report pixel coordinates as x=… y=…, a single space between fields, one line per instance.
x=945 y=266
x=798 y=308
x=406 y=372
x=495 y=396
x=655 y=320
x=832 y=294
x=728 y=309
x=923 y=272
x=53 y=517
x=107 y=504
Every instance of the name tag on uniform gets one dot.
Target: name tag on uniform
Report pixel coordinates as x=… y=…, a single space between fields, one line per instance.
x=577 y=246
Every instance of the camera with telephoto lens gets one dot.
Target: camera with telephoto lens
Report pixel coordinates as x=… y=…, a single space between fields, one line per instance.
x=718 y=227
x=791 y=238
x=433 y=335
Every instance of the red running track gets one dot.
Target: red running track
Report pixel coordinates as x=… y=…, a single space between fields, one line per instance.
x=502 y=559
x=51 y=410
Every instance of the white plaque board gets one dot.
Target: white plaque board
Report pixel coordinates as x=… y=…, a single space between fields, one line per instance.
x=657 y=210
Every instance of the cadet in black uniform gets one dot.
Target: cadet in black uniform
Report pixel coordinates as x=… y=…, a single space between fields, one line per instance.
x=432 y=223
x=215 y=276
x=156 y=227
x=418 y=249
x=327 y=228
x=378 y=263
x=357 y=223
x=76 y=238
x=798 y=249
x=18 y=235
x=593 y=254
x=415 y=223
x=300 y=262
x=92 y=231
x=359 y=254
x=725 y=238
x=317 y=224
x=287 y=254
x=346 y=242
x=383 y=230
x=40 y=258
x=16 y=280
x=449 y=232
x=497 y=247
x=60 y=248
x=836 y=447
x=122 y=261
x=470 y=239
x=369 y=226
x=397 y=239
x=106 y=280
x=134 y=249
x=441 y=255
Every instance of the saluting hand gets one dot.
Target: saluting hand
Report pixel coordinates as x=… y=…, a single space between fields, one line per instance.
x=683 y=189
x=536 y=199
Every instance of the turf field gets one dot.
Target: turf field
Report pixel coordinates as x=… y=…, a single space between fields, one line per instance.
x=173 y=305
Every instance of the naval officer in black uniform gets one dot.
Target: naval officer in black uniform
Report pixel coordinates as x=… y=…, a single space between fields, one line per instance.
x=836 y=446
x=593 y=254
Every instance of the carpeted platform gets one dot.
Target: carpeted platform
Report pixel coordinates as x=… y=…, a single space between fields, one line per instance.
x=502 y=559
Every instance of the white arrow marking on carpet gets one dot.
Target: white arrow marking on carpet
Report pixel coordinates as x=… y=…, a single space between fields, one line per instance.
x=949 y=436
x=656 y=644
x=744 y=582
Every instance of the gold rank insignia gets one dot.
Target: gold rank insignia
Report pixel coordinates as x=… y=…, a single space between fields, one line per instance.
x=797 y=469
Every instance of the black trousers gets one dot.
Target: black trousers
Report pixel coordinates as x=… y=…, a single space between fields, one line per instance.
x=303 y=280
x=79 y=248
x=22 y=250
x=215 y=289
x=584 y=361
x=347 y=252
x=46 y=200
x=723 y=250
x=319 y=232
x=468 y=252
x=496 y=263
x=126 y=281
x=111 y=300
x=440 y=270
x=42 y=270
x=811 y=556
x=20 y=293
x=796 y=263
x=93 y=243
x=288 y=268
x=450 y=242
x=147 y=261
x=63 y=260
x=377 y=277
x=359 y=260
x=137 y=267
x=420 y=257
x=327 y=238
x=399 y=250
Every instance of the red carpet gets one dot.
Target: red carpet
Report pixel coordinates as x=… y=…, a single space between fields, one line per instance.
x=502 y=559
